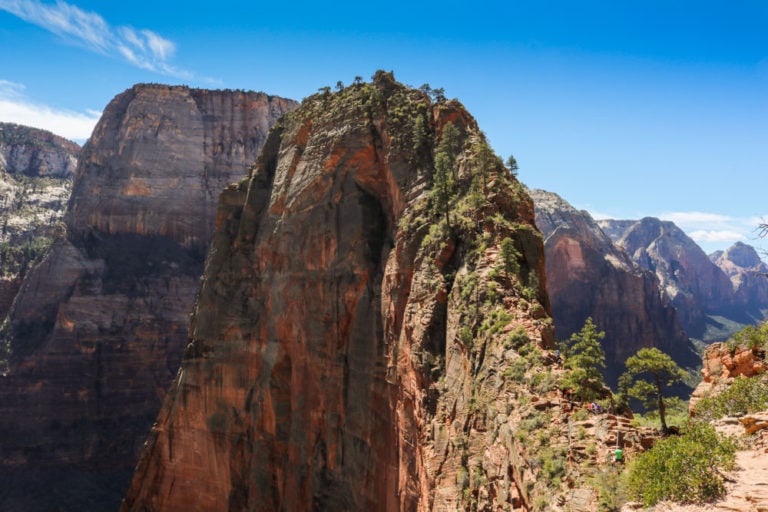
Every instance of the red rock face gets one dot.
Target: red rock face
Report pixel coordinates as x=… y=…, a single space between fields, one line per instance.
x=721 y=365
x=588 y=276
x=99 y=327
x=335 y=360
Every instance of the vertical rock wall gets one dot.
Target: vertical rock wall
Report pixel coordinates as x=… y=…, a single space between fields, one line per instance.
x=349 y=345
x=99 y=327
x=588 y=276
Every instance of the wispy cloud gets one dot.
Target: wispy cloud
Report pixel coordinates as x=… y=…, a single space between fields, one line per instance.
x=724 y=236
x=714 y=228
x=15 y=107
x=710 y=230
x=695 y=218
x=140 y=47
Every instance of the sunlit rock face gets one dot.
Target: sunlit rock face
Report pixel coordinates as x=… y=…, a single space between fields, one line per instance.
x=589 y=276
x=341 y=356
x=749 y=276
x=99 y=327
x=36 y=171
x=714 y=296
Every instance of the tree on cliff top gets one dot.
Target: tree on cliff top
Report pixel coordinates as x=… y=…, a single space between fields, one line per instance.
x=585 y=357
x=651 y=370
x=444 y=184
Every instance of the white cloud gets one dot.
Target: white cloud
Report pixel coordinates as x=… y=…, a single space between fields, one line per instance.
x=713 y=230
x=694 y=218
x=141 y=48
x=15 y=107
x=717 y=236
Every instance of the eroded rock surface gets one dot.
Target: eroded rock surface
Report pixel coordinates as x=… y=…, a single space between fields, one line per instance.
x=36 y=171
x=362 y=342
x=100 y=325
x=700 y=291
x=749 y=276
x=589 y=276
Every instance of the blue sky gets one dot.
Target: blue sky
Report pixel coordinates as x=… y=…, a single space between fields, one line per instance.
x=626 y=109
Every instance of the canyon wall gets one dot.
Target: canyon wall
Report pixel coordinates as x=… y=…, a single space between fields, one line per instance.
x=372 y=315
x=99 y=326
x=589 y=276
x=36 y=171
x=712 y=301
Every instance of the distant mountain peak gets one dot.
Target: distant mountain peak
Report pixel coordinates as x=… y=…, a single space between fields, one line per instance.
x=743 y=255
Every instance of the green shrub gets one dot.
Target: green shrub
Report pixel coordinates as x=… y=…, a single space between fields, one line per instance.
x=745 y=395
x=516 y=370
x=684 y=469
x=610 y=488
x=552 y=464
x=751 y=337
x=517 y=338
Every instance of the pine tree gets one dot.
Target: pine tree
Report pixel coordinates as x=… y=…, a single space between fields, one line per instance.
x=651 y=370
x=445 y=176
x=585 y=357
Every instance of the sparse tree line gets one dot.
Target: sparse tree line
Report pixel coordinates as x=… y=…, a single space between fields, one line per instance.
x=686 y=467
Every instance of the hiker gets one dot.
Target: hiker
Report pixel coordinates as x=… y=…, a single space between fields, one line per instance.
x=618 y=456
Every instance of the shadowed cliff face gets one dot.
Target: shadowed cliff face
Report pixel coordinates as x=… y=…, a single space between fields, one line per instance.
x=348 y=345
x=99 y=327
x=588 y=276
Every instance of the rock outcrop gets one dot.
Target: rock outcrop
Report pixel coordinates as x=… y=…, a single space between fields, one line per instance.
x=99 y=326
x=589 y=276
x=361 y=340
x=749 y=276
x=721 y=364
x=36 y=153
x=36 y=170
x=699 y=290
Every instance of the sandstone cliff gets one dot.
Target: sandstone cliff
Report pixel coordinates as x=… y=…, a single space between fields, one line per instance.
x=36 y=153
x=36 y=169
x=699 y=290
x=589 y=276
x=747 y=273
x=365 y=338
x=99 y=326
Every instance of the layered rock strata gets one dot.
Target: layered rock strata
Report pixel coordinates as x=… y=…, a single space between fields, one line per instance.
x=749 y=277
x=364 y=334
x=721 y=364
x=36 y=153
x=698 y=289
x=589 y=276
x=99 y=326
x=36 y=170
